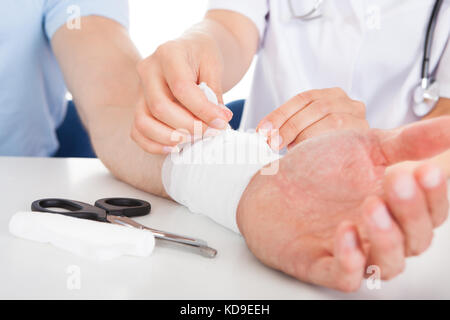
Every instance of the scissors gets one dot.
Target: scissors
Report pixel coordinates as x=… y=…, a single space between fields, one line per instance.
x=117 y=211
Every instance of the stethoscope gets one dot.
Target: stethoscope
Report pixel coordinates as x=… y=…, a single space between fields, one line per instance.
x=426 y=95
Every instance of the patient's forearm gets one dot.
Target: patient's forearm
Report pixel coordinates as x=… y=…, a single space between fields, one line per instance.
x=121 y=155
x=98 y=62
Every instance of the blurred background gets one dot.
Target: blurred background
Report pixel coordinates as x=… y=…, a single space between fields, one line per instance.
x=153 y=22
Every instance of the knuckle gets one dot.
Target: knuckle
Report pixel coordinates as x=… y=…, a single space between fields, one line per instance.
x=303 y=97
x=140 y=124
x=166 y=48
x=336 y=120
x=337 y=91
x=278 y=114
x=324 y=107
x=292 y=127
x=179 y=87
x=157 y=108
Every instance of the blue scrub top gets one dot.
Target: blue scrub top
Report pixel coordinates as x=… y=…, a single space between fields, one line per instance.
x=32 y=89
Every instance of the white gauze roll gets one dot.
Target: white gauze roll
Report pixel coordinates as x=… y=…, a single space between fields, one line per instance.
x=91 y=239
x=210 y=175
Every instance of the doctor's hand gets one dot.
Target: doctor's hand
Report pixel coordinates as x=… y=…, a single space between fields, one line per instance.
x=313 y=113
x=331 y=211
x=169 y=78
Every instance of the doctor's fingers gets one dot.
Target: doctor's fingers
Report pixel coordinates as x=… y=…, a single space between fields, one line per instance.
x=332 y=122
x=317 y=111
x=154 y=136
x=344 y=269
x=182 y=81
x=163 y=106
x=299 y=102
x=149 y=145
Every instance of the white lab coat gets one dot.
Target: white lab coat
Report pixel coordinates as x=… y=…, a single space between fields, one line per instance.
x=370 y=48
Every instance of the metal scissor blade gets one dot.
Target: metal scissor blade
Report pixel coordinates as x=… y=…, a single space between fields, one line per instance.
x=201 y=245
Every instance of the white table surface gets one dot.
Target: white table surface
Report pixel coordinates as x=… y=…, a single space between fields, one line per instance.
x=30 y=270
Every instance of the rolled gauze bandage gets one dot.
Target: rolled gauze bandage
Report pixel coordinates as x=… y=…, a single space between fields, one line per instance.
x=91 y=239
x=210 y=175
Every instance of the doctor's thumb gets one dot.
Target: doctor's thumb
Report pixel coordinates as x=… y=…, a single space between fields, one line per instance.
x=213 y=91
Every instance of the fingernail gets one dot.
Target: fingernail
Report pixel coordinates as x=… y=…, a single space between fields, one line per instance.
x=404 y=187
x=227 y=111
x=350 y=241
x=167 y=149
x=265 y=128
x=210 y=132
x=432 y=178
x=218 y=124
x=276 y=142
x=185 y=138
x=382 y=218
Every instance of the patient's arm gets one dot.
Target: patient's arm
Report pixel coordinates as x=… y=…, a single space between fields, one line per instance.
x=99 y=65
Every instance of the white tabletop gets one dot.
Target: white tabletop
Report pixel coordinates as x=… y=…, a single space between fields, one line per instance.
x=34 y=270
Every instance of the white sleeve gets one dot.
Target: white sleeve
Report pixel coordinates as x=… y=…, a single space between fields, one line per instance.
x=255 y=10
x=443 y=73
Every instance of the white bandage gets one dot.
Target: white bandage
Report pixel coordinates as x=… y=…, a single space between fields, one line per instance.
x=91 y=239
x=210 y=175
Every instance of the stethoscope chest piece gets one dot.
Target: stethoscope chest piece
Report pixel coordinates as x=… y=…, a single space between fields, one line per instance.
x=305 y=9
x=425 y=98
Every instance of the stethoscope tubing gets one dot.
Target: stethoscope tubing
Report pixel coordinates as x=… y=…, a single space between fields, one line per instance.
x=429 y=40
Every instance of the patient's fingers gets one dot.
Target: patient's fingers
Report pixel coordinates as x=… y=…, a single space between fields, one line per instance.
x=434 y=186
x=408 y=205
x=417 y=141
x=164 y=107
x=344 y=270
x=349 y=258
x=386 y=240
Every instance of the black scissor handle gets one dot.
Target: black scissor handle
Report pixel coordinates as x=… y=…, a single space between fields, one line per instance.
x=127 y=207
x=73 y=208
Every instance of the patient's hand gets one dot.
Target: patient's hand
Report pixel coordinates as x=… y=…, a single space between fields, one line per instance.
x=331 y=211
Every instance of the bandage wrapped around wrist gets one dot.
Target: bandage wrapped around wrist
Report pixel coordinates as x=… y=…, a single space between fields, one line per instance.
x=210 y=175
